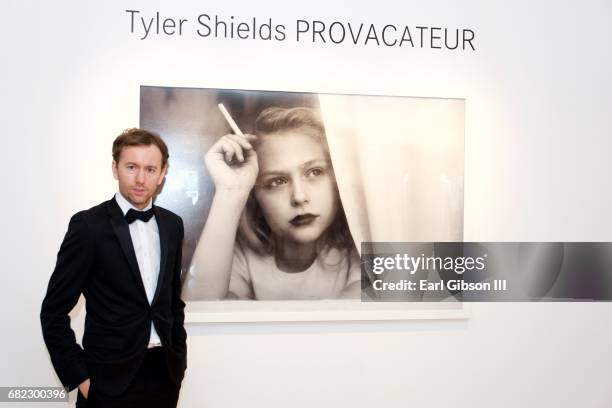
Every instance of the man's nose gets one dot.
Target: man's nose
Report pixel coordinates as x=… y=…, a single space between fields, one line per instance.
x=140 y=176
x=299 y=194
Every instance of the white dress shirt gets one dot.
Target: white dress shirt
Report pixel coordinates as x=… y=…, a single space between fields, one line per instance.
x=145 y=238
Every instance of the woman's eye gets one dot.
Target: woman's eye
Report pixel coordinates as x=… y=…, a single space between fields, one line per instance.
x=314 y=172
x=276 y=182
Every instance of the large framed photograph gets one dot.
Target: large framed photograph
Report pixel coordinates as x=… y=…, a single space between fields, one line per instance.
x=277 y=191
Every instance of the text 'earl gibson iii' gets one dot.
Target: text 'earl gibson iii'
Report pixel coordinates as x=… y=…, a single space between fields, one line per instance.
x=451 y=285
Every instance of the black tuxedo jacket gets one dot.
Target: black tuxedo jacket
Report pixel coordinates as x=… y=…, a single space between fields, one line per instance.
x=97 y=259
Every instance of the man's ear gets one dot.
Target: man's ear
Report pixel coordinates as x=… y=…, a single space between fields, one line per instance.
x=163 y=175
x=115 y=175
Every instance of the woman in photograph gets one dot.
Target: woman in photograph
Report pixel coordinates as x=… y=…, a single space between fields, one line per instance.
x=276 y=229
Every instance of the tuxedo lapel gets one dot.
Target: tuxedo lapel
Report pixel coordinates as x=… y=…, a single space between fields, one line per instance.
x=163 y=247
x=122 y=231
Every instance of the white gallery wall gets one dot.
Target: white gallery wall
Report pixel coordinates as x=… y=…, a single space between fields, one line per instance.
x=538 y=138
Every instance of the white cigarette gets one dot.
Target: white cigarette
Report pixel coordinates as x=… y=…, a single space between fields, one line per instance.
x=229 y=120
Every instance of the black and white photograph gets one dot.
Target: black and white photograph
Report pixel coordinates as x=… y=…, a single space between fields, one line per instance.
x=278 y=190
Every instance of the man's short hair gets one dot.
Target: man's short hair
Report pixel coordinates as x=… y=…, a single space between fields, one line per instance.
x=139 y=137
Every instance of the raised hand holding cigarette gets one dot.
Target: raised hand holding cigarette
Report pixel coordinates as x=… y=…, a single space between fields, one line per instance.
x=231 y=161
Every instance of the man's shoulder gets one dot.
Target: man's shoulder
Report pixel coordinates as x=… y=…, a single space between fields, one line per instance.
x=97 y=212
x=169 y=214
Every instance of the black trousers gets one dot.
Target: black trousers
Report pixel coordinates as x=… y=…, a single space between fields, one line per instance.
x=151 y=388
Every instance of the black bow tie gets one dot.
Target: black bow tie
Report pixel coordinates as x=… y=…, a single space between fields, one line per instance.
x=133 y=215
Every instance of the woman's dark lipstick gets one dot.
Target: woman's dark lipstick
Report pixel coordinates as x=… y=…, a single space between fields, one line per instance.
x=303 y=219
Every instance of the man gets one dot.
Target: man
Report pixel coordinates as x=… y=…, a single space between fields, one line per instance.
x=124 y=256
